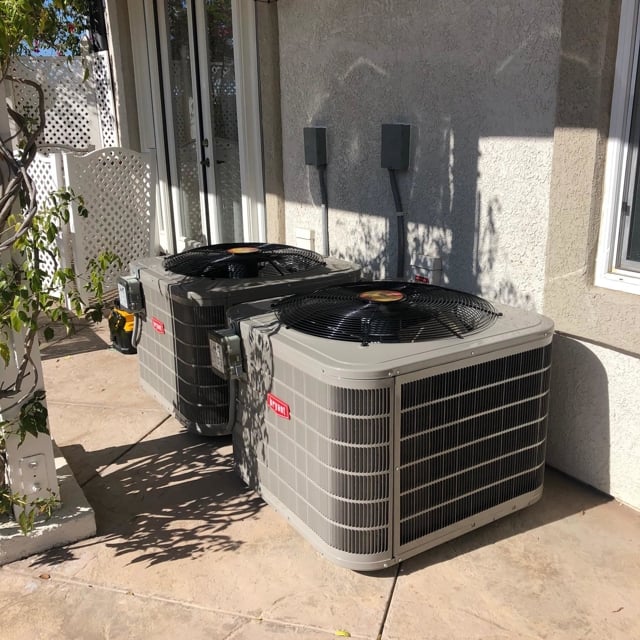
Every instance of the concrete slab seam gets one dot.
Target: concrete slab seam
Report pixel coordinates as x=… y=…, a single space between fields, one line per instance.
x=385 y=613
x=189 y=605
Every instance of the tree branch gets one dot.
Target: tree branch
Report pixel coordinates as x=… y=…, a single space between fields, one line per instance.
x=30 y=142
x=19 y=180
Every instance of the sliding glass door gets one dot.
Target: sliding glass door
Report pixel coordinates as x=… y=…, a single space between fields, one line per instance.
x=198 y=64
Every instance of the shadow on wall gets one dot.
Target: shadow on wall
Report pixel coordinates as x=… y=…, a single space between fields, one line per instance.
x=497 y=85
x=579 y=432
x=446 y=216
x=368 y=246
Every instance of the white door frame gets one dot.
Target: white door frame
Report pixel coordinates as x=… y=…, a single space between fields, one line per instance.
x=249 y=128
x=209 y=200
x=154 y=93
x=146 y=77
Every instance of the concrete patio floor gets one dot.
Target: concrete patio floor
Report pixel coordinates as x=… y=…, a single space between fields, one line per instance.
x=183 y=549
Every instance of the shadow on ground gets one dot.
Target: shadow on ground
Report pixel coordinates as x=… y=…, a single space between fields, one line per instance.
x=81 y=341
x=178 y=497
x=562 y=497
x=164 y=499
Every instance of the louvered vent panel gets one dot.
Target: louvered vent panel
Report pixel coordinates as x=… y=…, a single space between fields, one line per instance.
x=471 y=439
x=202 y=396
x=155 y=351
x=330 y=464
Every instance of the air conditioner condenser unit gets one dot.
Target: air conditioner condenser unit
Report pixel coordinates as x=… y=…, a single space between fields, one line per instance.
x=385 y=418
x=187 y=295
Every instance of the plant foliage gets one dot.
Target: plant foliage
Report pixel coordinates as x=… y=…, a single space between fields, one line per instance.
x=36 y=289
x=31 y=25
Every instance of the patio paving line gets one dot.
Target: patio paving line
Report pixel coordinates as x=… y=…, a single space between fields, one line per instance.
x=92 y=405
x=75 y=582
x=385 y=613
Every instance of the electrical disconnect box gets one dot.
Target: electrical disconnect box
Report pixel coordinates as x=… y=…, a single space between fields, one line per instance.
x=394 y=153
x=226 y=354
x=315 y=146
x=130 y=293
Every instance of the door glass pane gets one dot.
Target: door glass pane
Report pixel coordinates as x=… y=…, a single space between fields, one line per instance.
x=184 y=114
x=224 y=119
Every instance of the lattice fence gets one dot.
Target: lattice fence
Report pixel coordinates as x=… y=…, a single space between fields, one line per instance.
x=47 y=174
x=118 y=187
x=101 y=73
x=79 y=112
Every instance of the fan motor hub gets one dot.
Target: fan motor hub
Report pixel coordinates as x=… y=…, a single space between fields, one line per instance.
x=382 y=295
x=242 y=250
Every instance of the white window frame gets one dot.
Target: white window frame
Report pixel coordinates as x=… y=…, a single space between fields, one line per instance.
x=610 y=271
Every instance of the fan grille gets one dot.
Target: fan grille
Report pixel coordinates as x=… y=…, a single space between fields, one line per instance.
x=386 y=311
x=243 y=260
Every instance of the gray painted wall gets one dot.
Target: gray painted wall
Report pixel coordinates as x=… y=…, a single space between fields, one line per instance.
x=477 y=82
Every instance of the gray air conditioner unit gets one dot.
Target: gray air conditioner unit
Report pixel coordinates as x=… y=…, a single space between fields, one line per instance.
x=186 y=296
x=385 y=418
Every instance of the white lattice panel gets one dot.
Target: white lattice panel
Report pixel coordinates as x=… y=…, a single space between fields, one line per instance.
x=101 y=75
x=189 y=171
x=118 y=186
x=47 y=175
x=79 y=114
x=227 y=154
x=223 y=89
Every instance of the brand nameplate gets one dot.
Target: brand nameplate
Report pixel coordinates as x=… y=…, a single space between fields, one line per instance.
x=278 y=406
x=158 y=325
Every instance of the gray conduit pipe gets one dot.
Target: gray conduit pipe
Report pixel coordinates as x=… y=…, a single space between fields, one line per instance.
x=401 y=230
x=322 y=174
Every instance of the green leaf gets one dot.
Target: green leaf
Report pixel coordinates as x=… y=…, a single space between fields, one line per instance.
x=48 y=333
x=23 y=522
x=5 y=354
x=16 y=323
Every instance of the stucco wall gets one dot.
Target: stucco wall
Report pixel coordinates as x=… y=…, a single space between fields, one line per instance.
x=594 y=424
x=477 y=82
x=589 y=43
x=509 y=127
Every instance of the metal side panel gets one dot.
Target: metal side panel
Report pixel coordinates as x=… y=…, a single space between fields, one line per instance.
x=319 y=452
x=156 y=351
x=469 y=445
x=173 y=352
x=202 y=397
